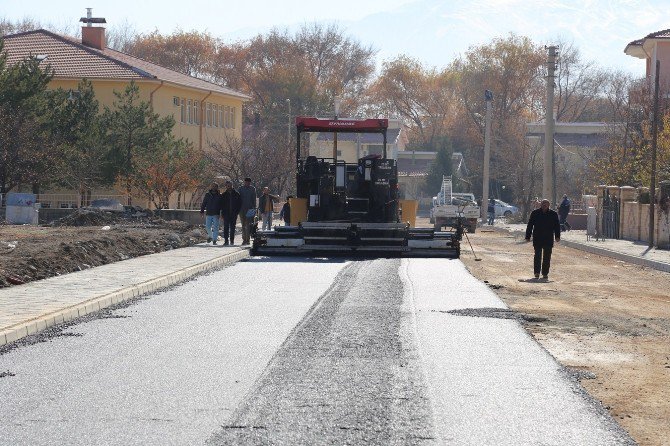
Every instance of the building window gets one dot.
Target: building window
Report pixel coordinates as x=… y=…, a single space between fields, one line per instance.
x=175 y=101
x=209 y=114
x=232 y=117
x=221 y=116
x=190 y=111
x=195 y=113
x=182 y=117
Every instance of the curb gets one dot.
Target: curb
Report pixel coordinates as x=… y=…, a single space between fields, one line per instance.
x=32 y=326
x=665 y=267
x=653 y=264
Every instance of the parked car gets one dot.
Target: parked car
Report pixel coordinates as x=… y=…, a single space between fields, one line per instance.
x=504 y=209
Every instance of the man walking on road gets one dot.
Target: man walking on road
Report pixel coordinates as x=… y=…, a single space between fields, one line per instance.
x=211 y=208
x=231 y=203
x=563 y=211
x=247 y=201
x=266 y=206
x=544 y=227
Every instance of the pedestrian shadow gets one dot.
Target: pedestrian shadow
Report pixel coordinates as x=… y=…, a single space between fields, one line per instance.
x=534 y=280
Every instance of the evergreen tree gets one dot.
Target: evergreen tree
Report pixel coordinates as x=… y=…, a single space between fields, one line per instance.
x=441 y=167
x=24 y=154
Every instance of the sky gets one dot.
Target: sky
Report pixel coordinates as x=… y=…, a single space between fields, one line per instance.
x=434 y=32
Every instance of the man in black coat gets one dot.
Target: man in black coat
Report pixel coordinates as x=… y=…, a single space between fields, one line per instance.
x=543 y=225
x=231 y=204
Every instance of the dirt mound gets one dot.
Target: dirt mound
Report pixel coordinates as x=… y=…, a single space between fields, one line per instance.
x=87 y=217
x=30 y=253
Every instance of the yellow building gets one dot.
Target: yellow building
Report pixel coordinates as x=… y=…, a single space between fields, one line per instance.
x=205 y=113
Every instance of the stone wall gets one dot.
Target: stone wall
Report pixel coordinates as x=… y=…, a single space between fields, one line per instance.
x=634 y=216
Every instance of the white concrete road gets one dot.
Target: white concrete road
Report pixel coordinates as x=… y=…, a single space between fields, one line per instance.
x=297 y=351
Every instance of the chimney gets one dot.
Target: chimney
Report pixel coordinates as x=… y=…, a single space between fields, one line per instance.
x=93 y=36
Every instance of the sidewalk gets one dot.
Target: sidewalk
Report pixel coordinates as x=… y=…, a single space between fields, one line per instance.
x=624 y=250
x=27 y=309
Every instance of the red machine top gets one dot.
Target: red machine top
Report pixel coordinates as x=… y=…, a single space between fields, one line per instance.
x=305 y=124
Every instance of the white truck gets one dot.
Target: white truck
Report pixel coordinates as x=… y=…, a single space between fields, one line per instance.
x=448 y=207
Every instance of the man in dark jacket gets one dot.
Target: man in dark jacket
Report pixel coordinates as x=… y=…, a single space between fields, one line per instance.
x=211 y=207
x=285 y=212
x=543 y=225
x=248 y=197
x=563 y=211
x=231 y=203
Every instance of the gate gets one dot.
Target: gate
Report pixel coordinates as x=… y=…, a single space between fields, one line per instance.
x=610 y=220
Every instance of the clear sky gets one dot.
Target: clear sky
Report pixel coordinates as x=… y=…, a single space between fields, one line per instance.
x=433 y=31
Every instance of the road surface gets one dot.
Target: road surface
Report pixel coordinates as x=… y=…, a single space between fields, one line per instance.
x=299 y=351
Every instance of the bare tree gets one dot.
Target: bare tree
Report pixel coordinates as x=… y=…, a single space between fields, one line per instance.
x=579 y=84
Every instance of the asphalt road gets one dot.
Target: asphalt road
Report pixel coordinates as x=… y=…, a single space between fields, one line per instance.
x=297 y=351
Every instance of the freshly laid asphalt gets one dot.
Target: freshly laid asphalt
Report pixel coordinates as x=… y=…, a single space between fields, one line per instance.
x=316 y=351
x=300 y=351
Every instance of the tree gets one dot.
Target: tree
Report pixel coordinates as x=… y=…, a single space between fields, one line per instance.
x=133 y=132
x=190 y=52
x=440 y=168
x=24 y=158
x=174 y=166
x=425 y=99
x=77 y=137
x=258 y=157
x=511 y=68
x=579 y=85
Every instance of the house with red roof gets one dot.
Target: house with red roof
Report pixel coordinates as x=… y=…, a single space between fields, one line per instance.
x=205 y=113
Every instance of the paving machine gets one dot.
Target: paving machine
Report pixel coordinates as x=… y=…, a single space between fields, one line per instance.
x=351 y=208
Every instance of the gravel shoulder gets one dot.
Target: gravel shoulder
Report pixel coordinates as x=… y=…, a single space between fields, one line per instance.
x=607 y=320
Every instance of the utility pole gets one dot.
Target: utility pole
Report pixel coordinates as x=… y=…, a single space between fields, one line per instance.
x=488 y=95
x=654 y=141
x=548 y=191
x=288 y=127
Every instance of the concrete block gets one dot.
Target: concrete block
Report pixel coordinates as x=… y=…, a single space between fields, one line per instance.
x=92 y=307
x=3 y=339
x=105 y=302
x=31 y=327
x=13 y=335
x=41 y=324
x=58 y=318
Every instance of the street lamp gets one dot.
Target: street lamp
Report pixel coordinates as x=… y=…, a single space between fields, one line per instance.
x=488 y=96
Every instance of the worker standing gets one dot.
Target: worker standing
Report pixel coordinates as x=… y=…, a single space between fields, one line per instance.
x=247 y=203
x=266 y=206
x=211 y=208
x=563 y=211
x=491 y=210
x=285 y=212
x=231 y=203
x=544 y=227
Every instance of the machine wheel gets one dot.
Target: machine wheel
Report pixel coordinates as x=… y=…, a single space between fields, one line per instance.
x=507 y=214
x=472 y=228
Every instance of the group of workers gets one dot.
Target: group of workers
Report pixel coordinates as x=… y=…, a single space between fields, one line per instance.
x=243 y=203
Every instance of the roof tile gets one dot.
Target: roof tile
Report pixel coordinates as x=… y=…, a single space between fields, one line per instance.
x=71 y=59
